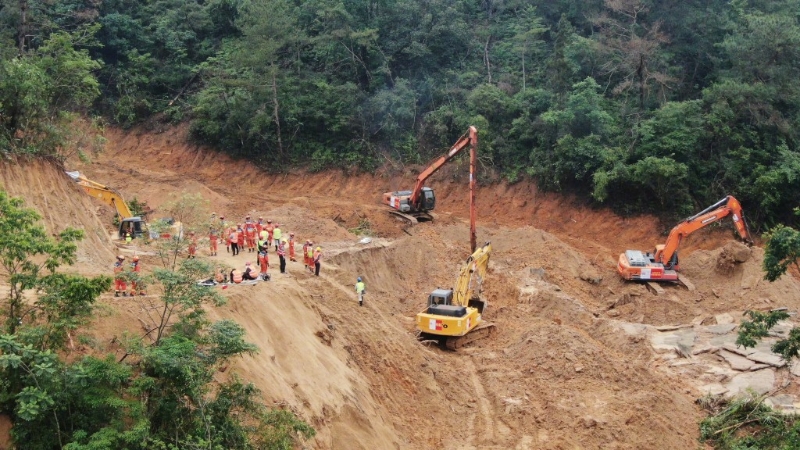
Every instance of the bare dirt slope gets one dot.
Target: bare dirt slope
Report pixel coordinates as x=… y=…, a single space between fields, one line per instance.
x=561 y=372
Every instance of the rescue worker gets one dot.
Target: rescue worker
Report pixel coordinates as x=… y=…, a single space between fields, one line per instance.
x=310 y=255
x=213 y=238
x=120 y=286
x=233 y=239
x=224 y=227
x=219 y=277
x=291 y=248
x=249 y=272
x=263 y=262
x=236 y=276
x=259 y=225
x=277 y=234
x=361 y=289
x=281 y=249
x=240 y=236
x=128 y=237
x=192 y=245
x=305 y=254
x=270 y=228
x=317 y=260
x=250 y=235
x=136 y=268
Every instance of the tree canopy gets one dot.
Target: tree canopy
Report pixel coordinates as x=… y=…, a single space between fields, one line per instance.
x=641 y=105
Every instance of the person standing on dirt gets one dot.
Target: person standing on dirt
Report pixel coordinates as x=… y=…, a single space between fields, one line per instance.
x=269 y=228
x=310 y=255
x=291 y=248
x=260 y=226
x=250 y=234
x=281 y=249
x=192 y=245
x=317 y=260
x=136 y=268
x=120 y=286
x=233 y=240
x=277 y=233
x=213 y=238
x=361 y=289
x=240 y=236
x=263 y=262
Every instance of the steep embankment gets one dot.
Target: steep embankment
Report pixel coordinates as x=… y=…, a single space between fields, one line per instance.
x=62 y=204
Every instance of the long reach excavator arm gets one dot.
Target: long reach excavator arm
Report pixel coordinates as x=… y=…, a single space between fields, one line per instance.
x=468 y=139
x=662 y=265
x=108 y=195
x=415 y=205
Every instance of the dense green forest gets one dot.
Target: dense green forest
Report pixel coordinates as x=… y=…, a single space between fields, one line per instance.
x=647 y=106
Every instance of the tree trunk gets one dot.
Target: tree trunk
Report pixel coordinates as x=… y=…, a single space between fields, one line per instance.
x=486 y=58
x=23 y=25
x=275 y=110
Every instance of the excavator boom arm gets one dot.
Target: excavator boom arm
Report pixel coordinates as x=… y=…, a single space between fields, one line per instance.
x=714 y=213
x=473 y=272
x=104 y=193
x=470 y=138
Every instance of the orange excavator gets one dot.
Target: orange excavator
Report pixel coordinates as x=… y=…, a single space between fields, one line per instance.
x=415 y=205
x=662 y=265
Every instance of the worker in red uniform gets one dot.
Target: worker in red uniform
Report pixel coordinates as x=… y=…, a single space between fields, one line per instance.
x=213 y=238
x=120 y=286
x=240 y=236
x=269 y=228
x=305 y=254
x=263 y=262
x=317 y=260
x=291 y=248
x=136 y=268
x=250 y=235
x=192 y=245
x=259 y=225
x=236 y=276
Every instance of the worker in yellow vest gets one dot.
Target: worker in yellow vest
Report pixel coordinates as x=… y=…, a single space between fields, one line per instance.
x=360 y=290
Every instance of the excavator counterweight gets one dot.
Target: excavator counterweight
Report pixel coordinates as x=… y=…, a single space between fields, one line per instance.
x=662 y=263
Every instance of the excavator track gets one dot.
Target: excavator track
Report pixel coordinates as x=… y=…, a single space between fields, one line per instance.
x=484 y=330
x=412 y=219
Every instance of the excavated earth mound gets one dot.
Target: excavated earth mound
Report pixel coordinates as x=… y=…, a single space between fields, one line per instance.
x=580 y=359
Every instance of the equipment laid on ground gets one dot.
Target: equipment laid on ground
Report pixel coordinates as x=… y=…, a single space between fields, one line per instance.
x=455 y=315
x=662 y=265
x=415 y=205
x=136 y=225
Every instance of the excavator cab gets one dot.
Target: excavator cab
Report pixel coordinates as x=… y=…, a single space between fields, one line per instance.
x=428 y=199
x=134 y=225
x=440 y=302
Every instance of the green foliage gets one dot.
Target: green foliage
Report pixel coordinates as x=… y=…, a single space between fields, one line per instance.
x=781 y=251
x=746 y=423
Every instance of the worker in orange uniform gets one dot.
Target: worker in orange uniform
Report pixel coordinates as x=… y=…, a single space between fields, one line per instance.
x=305 y=254
x=250 y=235
x=233 y=239
x=263 y=262
x=120 y=286
x=317 y=260
x=249 y=272
x=269 y=228
x=240 y=236
x=259 y=225
x=192 y=245
x=310 y=255
x=213 y=239
x=136 y=268
x=236 y=276
x=291 y=248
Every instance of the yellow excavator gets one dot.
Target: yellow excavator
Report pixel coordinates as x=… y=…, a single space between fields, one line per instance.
x=455 y=315
x=135 y=225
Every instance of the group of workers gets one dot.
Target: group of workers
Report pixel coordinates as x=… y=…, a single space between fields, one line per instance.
x=122 y=274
